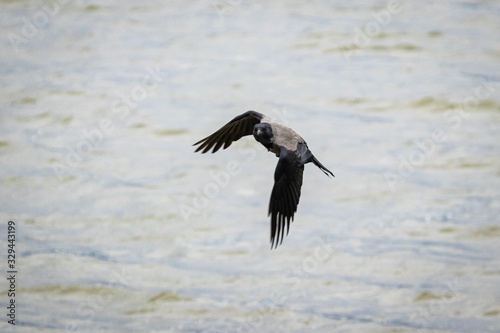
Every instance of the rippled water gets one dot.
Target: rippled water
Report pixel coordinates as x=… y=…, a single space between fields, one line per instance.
x=121 y=227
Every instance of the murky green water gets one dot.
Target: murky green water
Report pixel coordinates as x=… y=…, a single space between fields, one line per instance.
x=121 y=227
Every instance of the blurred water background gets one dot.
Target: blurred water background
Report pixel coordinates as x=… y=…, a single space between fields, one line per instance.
x=122 y=228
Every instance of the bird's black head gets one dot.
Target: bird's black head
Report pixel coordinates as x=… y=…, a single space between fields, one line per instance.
x=263 y=133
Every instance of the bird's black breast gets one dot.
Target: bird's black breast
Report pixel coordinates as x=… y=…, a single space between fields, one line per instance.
x=269 y=146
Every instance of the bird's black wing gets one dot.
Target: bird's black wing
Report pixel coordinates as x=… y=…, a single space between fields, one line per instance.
x=235 y=129
x=286 y=193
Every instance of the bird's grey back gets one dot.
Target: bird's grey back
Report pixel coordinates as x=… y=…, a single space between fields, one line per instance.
x=284 y=136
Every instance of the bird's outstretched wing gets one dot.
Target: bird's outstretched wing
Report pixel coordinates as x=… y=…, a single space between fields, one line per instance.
x=235 y=129
x=286 y=193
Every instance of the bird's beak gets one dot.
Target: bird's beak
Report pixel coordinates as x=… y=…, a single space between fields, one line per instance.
x=259 y=131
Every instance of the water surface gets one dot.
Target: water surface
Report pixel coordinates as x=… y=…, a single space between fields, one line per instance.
x=120 y=227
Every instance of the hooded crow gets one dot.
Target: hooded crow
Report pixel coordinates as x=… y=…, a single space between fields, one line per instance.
x=292 y=151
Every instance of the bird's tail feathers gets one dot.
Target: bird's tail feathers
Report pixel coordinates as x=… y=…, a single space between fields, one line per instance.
x=321 y=166
x=307 y=156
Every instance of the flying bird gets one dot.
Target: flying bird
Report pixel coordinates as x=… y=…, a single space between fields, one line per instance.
x=292 y=151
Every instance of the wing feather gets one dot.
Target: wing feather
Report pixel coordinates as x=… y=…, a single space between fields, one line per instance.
x=234 y=130
x=285 y=195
